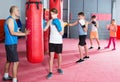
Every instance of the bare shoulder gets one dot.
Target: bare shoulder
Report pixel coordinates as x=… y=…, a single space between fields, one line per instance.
x=10 y=20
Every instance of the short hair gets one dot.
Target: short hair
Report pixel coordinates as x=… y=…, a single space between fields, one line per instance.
x=81 y=13
x=54 y=10
x=12 y=9
x=113 y=19
x=93 y=16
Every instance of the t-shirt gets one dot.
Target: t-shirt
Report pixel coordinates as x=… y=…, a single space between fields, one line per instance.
x=112 y=33
x=81 y=30
x=55 y=36
x=94 y=28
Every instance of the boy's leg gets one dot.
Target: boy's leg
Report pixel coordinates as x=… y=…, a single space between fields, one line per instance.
x=98 y=42
x=114 y=44
x=91 y=43
x=81 y=55
x=59 y=61
x=51 y=61
x=80 y=51
x=59 y=64
x=91 y=37
x=15 y=70
x=50 y=64
x=109 y=43
x=86 y=52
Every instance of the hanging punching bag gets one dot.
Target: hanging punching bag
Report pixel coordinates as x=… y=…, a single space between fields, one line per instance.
x=58 y=4
x=34 y=17
x=46 y=33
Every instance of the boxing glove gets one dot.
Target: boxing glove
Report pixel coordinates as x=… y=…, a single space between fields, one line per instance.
x=57 y=23
x=82 y=23
x=94 y=23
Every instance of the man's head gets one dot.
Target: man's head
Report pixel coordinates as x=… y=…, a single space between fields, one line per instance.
x=14 y=11
x=81 y=15
x=54 y=13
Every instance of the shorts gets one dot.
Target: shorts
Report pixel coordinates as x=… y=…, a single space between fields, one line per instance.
x=11 y=53
x=93 y=35
x=82 y=40
x=57 y=48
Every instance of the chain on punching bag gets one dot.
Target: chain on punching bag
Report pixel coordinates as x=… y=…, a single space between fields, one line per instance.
x=34 y=17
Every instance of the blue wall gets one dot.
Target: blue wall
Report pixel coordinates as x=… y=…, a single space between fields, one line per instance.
x=89 y=7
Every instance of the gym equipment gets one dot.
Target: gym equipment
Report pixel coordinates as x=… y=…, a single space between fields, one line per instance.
x=46 y=33
x=57 y=23
x=34 y=18
x=58 y=5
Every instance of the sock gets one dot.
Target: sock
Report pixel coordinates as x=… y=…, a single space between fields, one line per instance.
x=14 y=80
x=6 y=75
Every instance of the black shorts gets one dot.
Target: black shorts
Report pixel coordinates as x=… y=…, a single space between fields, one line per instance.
x=11 y=53
x=82 y=40
x=57 y=48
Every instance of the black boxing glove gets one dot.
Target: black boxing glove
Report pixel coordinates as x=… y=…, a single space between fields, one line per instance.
x=93 y=22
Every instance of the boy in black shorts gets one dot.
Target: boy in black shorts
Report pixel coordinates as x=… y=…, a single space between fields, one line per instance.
x=83 y=27
x=55 y=42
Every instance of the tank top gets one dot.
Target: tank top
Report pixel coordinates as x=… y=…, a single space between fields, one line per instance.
x=10 y=39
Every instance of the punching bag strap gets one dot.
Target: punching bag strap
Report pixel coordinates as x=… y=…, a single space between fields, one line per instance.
x=37 y=4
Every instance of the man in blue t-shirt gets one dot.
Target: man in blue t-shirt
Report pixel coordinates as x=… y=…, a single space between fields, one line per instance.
x=11 y=41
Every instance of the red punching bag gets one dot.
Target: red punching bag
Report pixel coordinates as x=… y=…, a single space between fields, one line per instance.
x=34 y=17
x=46 y=33
x=58 y=4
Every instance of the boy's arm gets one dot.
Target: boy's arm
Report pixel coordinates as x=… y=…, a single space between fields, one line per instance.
x=47 y=26
x=73 y=24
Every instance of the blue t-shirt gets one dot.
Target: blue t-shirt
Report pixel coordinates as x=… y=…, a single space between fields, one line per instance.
x=81 y=31
x=10 y=39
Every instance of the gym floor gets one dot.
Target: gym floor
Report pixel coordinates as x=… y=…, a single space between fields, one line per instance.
x=103 y=65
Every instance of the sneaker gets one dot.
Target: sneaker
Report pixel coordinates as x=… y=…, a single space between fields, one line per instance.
x=49 y=75
x=80 y=60
x=98 y=48
x=91 y=47
x=86 y=57
x=60 y=71
x=7 y=79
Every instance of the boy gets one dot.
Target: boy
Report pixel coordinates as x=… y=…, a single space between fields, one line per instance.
x=94 y=32
x=55 y=42
x=83 y=27
x=113 y=31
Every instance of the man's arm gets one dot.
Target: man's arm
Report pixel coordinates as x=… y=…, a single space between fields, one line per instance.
x=10 y=23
